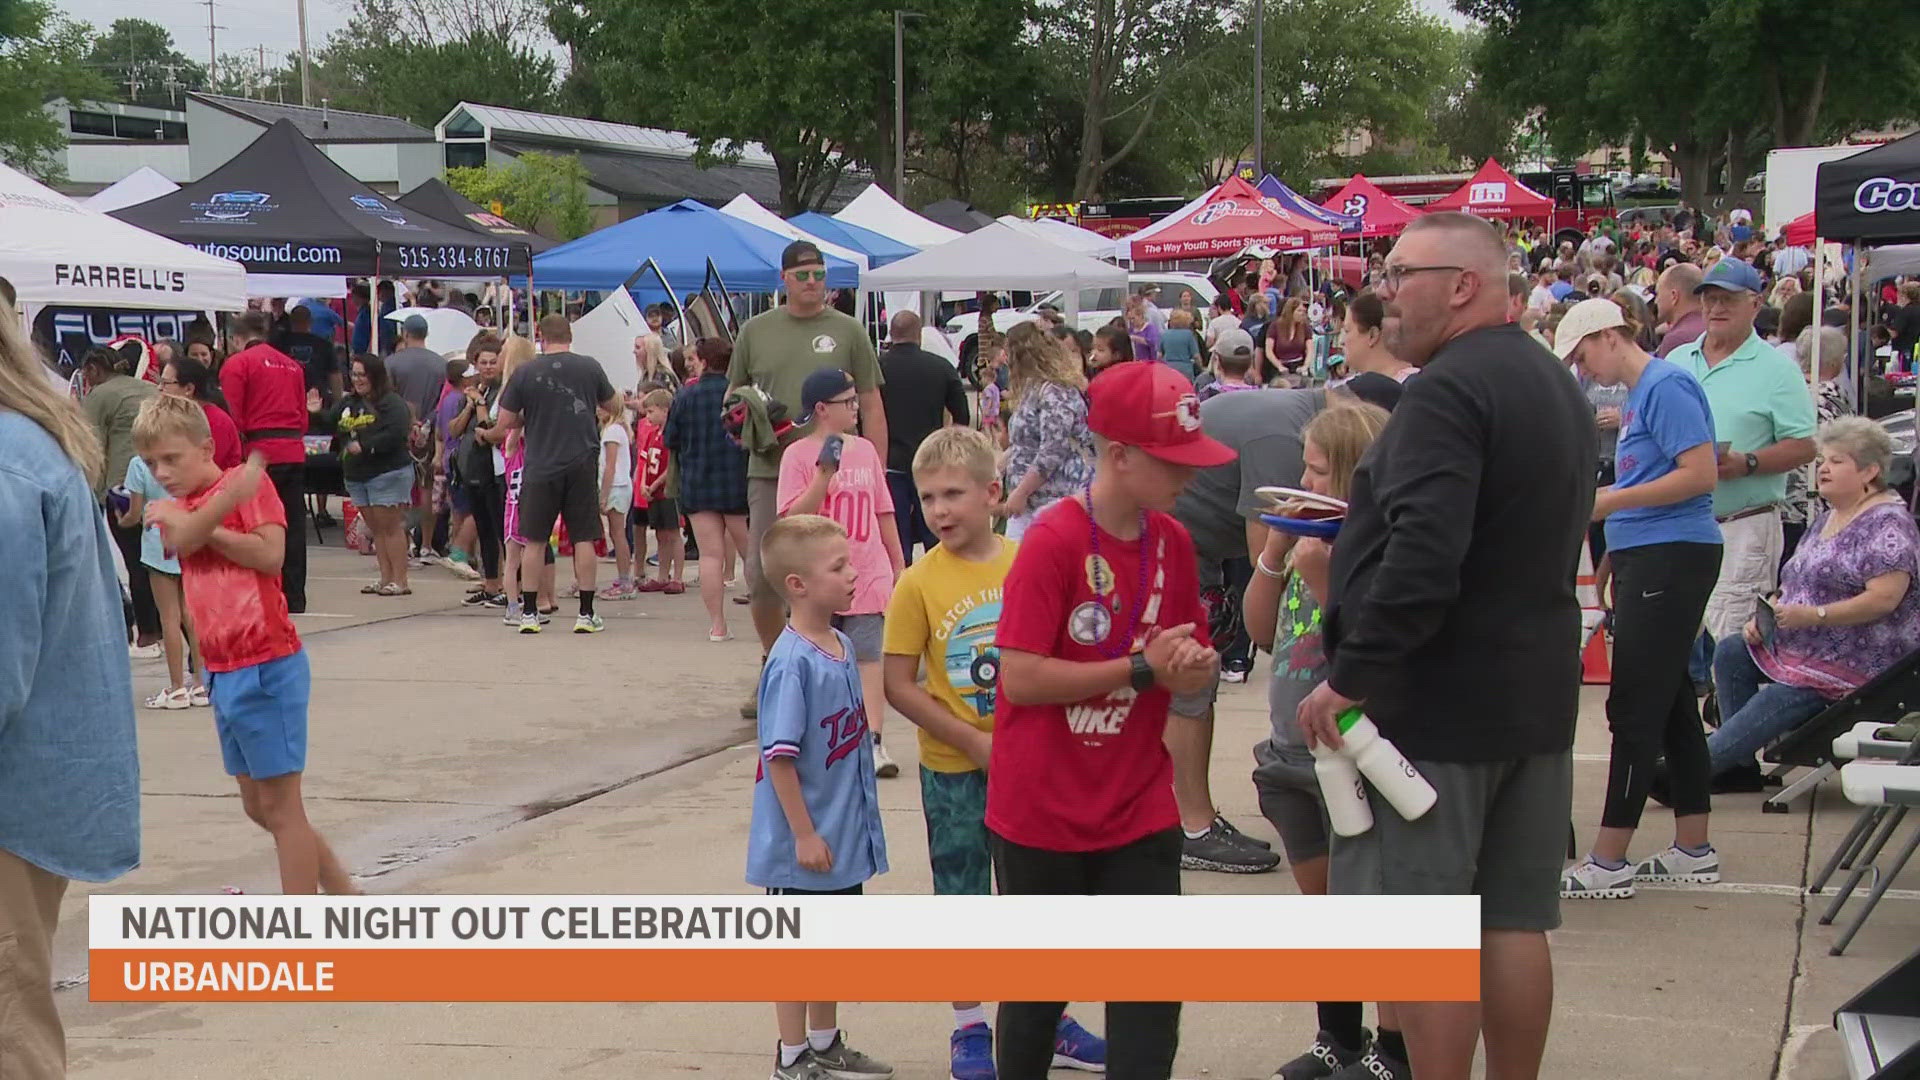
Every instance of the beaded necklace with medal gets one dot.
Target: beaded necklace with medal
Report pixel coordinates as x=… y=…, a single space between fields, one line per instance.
x=1099 y=583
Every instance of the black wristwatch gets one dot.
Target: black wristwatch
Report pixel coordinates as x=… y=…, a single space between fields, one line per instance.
x=1140 y=673
x=1753 y=464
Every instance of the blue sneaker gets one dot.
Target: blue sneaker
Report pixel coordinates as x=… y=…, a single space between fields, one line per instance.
x=973 y=1053
x=1074 y=1047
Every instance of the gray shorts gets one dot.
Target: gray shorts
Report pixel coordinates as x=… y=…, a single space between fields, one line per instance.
x=1290 y=800
x=867 y=632
x=1498 y=831
x=763 y=509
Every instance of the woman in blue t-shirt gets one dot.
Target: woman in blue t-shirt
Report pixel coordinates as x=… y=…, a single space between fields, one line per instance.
x=1665 y=548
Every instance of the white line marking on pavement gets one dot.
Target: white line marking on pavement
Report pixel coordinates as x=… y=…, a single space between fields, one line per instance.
x=322 y=615
x=1743 y=888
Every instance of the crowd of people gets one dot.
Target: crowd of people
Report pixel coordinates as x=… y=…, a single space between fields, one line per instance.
x=1050 y=587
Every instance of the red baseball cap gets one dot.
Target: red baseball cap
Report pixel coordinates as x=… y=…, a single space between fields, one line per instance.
x=1147 y=404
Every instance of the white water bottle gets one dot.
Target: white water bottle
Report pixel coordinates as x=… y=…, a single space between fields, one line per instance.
x=1341 y=790
x=1384 y=766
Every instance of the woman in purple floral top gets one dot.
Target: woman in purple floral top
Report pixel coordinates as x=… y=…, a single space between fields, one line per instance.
x=1847 y=608
x=1050 y=451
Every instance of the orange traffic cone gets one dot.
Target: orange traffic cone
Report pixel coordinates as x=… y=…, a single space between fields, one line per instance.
x=1596 y=667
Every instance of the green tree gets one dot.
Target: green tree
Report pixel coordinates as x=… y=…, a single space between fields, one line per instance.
x=1123 y=55
x=972 y=81
x=546 y=193
x=1711 y=84
x=139 y=60
x=42 y=56
x=808 y=80
x=417 y=59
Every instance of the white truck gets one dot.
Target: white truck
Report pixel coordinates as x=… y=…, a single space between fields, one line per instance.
x=1790 y=178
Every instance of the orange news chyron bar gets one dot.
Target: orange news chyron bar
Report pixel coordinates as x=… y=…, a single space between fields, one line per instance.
x=756 y=948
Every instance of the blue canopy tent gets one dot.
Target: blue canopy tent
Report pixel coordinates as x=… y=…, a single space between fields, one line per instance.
x=879 y=250
x=682 y=240
x=1289 y=199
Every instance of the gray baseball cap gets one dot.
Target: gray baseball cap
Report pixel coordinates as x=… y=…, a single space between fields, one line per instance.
x=1233 y=342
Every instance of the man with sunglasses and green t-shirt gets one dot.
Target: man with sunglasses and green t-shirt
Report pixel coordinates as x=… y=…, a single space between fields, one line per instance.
x=776 y=351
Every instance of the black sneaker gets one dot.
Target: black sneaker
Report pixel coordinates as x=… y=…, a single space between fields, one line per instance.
x=1217 y=851
x=478 y=598
x=496 y=600
x=1375 y=1064
x=1325 y=1058
x=1220 y=822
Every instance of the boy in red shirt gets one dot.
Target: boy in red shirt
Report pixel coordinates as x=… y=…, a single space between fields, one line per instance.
x=653 y=508
x=230 y=532
x=1102 y=624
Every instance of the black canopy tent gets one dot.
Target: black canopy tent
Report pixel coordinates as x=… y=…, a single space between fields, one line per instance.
x=955 y=214
x=1869 y=199
x=281 y=206
x=440 y=202
x=1872 y=197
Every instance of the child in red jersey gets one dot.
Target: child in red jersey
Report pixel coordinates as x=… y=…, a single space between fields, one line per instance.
x=1101 y=625
x=229 y=532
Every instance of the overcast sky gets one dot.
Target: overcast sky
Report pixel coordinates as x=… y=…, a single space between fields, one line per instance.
x=274 y=23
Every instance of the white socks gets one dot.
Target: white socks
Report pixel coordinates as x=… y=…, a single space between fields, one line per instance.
x=791 y=1054
x=968 y=1017
x=820 y=1040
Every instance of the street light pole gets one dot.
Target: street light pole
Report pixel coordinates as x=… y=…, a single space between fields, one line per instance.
x=1259 y=86
x=306 y=78
x=900 y=100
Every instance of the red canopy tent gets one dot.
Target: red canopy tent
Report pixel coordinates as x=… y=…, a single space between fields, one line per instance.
x=1380 y=213
x=1799 y=232
x=1492 y=192
x=1234 y=215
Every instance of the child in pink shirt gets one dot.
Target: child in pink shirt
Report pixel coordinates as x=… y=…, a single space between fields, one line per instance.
x=837 y=474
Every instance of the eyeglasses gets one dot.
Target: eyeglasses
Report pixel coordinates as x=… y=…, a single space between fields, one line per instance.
x=852 y=400
x=808 y=275
x=1397 y=276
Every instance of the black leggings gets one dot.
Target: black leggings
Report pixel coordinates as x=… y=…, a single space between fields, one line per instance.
x=1660 y=592
x=488 y=503
x=146 y=615
x=290 y=482
x=1142 y=1036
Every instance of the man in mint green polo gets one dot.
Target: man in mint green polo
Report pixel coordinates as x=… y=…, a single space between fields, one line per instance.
x=1763 y=414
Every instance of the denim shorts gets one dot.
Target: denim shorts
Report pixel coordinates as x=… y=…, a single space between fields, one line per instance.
x=388 y=489
x=260 y=713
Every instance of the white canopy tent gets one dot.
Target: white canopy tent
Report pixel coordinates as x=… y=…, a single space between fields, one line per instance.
x=56 y=251
x=748 y=210
x=1898 y=260
x=1066 y=234
x=996 y=257
x=876 y=210
x=141 y=185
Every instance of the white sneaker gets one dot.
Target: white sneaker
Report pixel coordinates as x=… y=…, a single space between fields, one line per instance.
x=178 y=697
x=529 y=624
x=1591 y=881
x=884 y=766
x=144 y=652
x=1676 y=865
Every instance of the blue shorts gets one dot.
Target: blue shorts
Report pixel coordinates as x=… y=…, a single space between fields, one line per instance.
x=388 y=489
x=261 y=715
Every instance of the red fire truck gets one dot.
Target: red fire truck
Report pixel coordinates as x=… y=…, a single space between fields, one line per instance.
x=1581 y=199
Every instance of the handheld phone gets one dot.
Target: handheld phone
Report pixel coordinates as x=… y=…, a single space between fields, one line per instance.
x=1767 y=619
x=830 y=449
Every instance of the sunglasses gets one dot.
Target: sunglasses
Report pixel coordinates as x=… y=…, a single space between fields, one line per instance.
x=808 y=275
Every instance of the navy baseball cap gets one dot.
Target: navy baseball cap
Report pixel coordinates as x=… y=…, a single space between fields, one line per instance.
x=414 y=326
x=1731 y=275
x=823 y=385
x=801 y=253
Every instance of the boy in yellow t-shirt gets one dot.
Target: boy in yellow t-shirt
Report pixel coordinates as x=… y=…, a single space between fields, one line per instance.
x=943 y=614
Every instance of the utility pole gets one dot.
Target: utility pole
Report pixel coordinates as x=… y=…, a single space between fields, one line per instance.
x=260 y=75
x=306 y=77
x=1259 y=86
x=900 y=100
x=213 y=48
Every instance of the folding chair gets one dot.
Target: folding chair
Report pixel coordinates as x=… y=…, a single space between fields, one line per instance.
x=1880 y=1026
x=1883 y=700
x=1887 y=790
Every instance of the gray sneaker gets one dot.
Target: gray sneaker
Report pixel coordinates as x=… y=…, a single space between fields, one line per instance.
x=1220 y=851
x=843 y=1062
x=804 y=1067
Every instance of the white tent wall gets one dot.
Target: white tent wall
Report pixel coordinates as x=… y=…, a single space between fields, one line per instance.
x=606 y=333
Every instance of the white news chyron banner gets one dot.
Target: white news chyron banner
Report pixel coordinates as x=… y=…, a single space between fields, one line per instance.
x=1048 y=923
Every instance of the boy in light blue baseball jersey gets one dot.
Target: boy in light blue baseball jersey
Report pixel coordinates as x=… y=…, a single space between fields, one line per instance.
x=816 y=809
